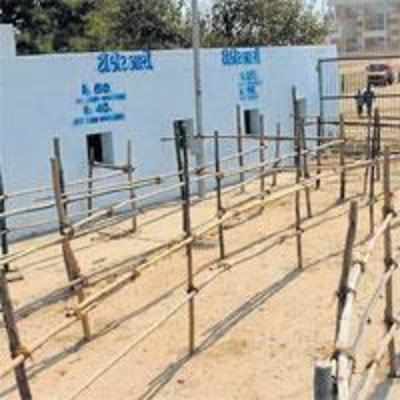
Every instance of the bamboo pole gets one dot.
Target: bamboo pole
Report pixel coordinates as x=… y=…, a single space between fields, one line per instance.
x=367 y=154
x=346 y=293
x=379 y=143
x=220 y=207
x=388 y=260
x=240 y=146
x=342 y=160
x=305 y=172
x=73 y=267
x=3 y=224
x=14 y=340
x=373 y=148
x=277 y=153
x=57 y=156
x=298 y=151
x=262 y=156
x=183 y=165
x=319 y=143
x=132 y=195
x=90 y=182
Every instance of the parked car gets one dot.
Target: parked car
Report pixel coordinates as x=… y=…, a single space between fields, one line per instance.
x=380 y=75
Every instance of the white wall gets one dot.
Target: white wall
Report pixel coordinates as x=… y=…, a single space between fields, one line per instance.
x=38 y=100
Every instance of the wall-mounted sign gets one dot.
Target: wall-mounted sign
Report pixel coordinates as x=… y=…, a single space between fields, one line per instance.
x=99 y=103
x=116 y=62
x=232 y=57
x=249 y=82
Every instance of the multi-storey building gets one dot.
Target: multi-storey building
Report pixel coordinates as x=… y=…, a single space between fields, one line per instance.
x=365 y=26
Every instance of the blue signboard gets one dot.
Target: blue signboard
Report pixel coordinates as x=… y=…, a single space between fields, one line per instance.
x=249 y=82
x=99 y=103
x=234 y=57
x=116 y=62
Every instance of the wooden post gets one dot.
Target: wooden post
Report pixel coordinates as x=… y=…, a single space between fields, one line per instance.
x=367 y=155
x=132 y=194
x=372 y=184
x=319 y=162
x=57 y=155
x=277 y=153
x=378 y=142
x=90 y=182
x=262 y=156
x=55 y=171
x=388 y=260
x=240 y=146
x=220 y=208
x=342 y=160
x=323 y=381
x=13 y=336
x=347 y=262
x=59 y=205
x=343 y=322
x=178 y=132
x=72 y=265
x=305 y=172
x=3 y=223
x=297 y=143
x=183 y=165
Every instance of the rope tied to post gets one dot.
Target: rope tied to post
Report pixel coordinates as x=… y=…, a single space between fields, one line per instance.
x=24 y=352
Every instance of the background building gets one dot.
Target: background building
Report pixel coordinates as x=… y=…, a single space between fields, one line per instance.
x=365 y=26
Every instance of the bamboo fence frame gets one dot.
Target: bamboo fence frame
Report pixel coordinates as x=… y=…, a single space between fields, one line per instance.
x=353 y=267
x=85 y=305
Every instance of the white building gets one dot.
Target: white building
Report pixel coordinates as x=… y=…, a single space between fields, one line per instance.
x=137 y=95
x=366 y=26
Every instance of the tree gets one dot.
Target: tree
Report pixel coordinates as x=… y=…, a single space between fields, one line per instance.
x=44 y=26
x=263 y=22
x=131 y=24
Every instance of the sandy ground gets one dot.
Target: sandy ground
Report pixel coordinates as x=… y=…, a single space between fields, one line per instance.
x=259 y=327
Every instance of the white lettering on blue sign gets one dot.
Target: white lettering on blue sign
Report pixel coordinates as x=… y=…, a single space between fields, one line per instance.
x=97 y=101
x=116 y=62
x=249 y=83
x=232 y=57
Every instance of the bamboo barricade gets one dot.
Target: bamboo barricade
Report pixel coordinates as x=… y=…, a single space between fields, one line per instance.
x=278 y=153
x=132 y=195
x=158 y=324
x=94 y=299
x=242 y=176
x=220 y=207
x=342 y=159
x=15 y=345
x=346 y=349
x=110 y=211
x=182 y=157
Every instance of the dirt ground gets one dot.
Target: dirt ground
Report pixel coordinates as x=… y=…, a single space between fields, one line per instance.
x=259 y=327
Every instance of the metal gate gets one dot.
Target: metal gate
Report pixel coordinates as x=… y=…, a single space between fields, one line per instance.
x=355 y=86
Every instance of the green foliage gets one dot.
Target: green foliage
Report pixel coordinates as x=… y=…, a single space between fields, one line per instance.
x=45 y=26
x=263 y=22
